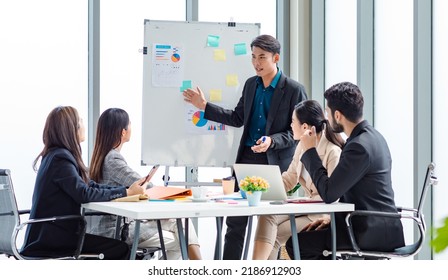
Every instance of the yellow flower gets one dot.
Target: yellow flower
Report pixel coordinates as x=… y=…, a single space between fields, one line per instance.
x=254 y=183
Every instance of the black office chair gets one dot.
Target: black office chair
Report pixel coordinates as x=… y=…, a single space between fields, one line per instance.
x=11 y=224
x=403 y=213
x=93 y=218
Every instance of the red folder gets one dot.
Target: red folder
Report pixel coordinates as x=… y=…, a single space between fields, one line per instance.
x=160 y=192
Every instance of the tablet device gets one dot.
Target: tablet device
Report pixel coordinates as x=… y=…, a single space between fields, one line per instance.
x=150 y=174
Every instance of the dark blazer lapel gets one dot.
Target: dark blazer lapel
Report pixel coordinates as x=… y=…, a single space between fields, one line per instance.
x=275 y=102
x=249 y=100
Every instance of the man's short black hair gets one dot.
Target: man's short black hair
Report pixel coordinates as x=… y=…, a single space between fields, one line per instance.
x=267 y=43
x=346 y=98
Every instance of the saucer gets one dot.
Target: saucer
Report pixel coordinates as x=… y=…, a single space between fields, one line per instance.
x=199 y=199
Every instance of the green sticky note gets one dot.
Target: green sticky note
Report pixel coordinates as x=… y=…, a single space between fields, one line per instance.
x=212 y=41
x=185 y=85
x=240 y=49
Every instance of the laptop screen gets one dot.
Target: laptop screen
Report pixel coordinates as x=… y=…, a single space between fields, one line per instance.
x=270 y=173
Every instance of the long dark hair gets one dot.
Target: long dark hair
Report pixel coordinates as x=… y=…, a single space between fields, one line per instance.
x=61 y=131
x=310 y=112
x=108 y=136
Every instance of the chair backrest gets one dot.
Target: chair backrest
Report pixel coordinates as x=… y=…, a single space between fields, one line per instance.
x=9 y=215
x=418 y=217
x=430 y=180
x=415 y=214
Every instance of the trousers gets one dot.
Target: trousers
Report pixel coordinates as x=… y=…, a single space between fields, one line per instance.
x=236 y=226
x=112 y=249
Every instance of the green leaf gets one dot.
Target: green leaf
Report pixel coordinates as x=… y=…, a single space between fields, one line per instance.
x=440 y=242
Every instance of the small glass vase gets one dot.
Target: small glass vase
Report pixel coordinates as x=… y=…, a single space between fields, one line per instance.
x=253 y=198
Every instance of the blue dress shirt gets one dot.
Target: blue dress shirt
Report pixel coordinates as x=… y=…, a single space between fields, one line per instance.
x=260 y=109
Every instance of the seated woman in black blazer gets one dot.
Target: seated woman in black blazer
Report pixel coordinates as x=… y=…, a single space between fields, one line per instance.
x=62 y=185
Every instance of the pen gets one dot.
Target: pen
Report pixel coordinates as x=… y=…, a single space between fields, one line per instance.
x=263 y=139
x=160 y=200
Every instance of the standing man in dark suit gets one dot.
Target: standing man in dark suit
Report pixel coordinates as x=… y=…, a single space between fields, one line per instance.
x=265 y=110
x=362 y=177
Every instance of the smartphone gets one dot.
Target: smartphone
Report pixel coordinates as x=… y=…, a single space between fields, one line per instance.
x=151 y=173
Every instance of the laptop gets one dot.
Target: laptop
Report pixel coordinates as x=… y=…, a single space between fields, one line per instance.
x=270 y=173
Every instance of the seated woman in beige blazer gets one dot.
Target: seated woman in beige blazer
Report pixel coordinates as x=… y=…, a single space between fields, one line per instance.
x=274 y=230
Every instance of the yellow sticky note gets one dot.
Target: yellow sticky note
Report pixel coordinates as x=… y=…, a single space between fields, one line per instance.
x=232 y=80
x=216 y=95
x=219 y=55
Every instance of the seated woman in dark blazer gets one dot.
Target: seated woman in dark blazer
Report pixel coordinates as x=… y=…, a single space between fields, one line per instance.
x=62 y=185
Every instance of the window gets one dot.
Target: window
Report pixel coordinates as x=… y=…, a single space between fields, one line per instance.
x=247 y=11
x=44 y=50
x=440 y=99
x=121 y=65
x=340 y=42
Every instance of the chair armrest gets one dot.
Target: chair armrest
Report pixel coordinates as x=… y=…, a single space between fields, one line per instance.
x=97 y=213
x=401 y=209
x=50 y=219
x=81 y=219
x=24 y=212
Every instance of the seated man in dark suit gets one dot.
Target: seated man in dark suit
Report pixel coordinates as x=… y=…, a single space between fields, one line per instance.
x=362 y=177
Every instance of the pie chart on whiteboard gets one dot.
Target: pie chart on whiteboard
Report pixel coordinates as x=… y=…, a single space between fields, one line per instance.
x=175 y=57
x=198 y=119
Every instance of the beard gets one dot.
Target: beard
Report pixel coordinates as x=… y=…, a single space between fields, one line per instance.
x=336 y=127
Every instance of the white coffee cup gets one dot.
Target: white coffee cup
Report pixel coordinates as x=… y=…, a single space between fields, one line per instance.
x=199 y=192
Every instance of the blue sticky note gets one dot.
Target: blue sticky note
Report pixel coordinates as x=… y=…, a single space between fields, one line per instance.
x=185 y=85
x=212 y=41
x=240 y=49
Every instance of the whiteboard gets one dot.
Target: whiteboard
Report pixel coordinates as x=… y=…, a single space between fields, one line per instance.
x=176 y=55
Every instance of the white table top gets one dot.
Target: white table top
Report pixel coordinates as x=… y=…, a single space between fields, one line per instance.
x=186 y=209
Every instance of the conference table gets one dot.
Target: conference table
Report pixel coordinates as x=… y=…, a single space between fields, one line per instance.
x=155 y=210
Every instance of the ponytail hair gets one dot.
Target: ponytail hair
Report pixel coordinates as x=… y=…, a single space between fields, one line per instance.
x=333 y=137
x=310 y=112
